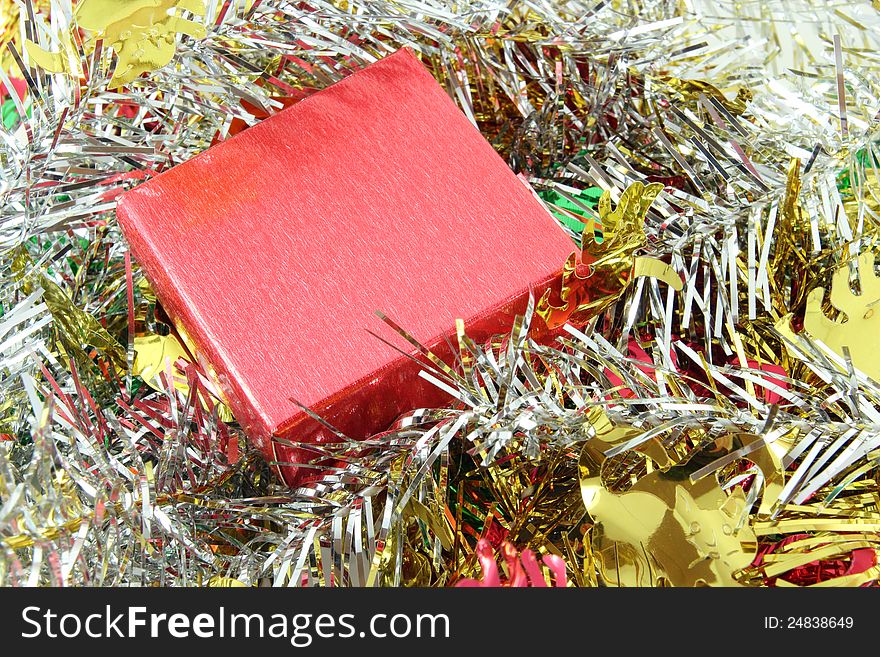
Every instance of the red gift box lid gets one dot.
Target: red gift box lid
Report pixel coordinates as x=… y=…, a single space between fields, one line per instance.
x=273 y=250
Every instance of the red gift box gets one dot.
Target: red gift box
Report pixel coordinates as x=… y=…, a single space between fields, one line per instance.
x=273 y=250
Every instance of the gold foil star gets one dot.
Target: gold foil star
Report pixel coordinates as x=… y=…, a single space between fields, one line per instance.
x=143 y=33
x=607 y=263
x=859 y=327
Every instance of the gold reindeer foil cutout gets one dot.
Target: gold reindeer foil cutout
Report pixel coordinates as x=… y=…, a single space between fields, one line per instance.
x=858 y=330
x=597 y=276
x=667 y=529
x=143 y=33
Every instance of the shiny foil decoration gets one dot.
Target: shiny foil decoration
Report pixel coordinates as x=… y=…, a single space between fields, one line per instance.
x=143 y=34
x=598 y=276
x=850 y=335
x=726 y=433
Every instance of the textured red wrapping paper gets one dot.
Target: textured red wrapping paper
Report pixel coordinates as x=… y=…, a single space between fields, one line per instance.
x=273 y=250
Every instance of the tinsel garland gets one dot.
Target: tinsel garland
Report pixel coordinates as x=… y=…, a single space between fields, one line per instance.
x=724 y=433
